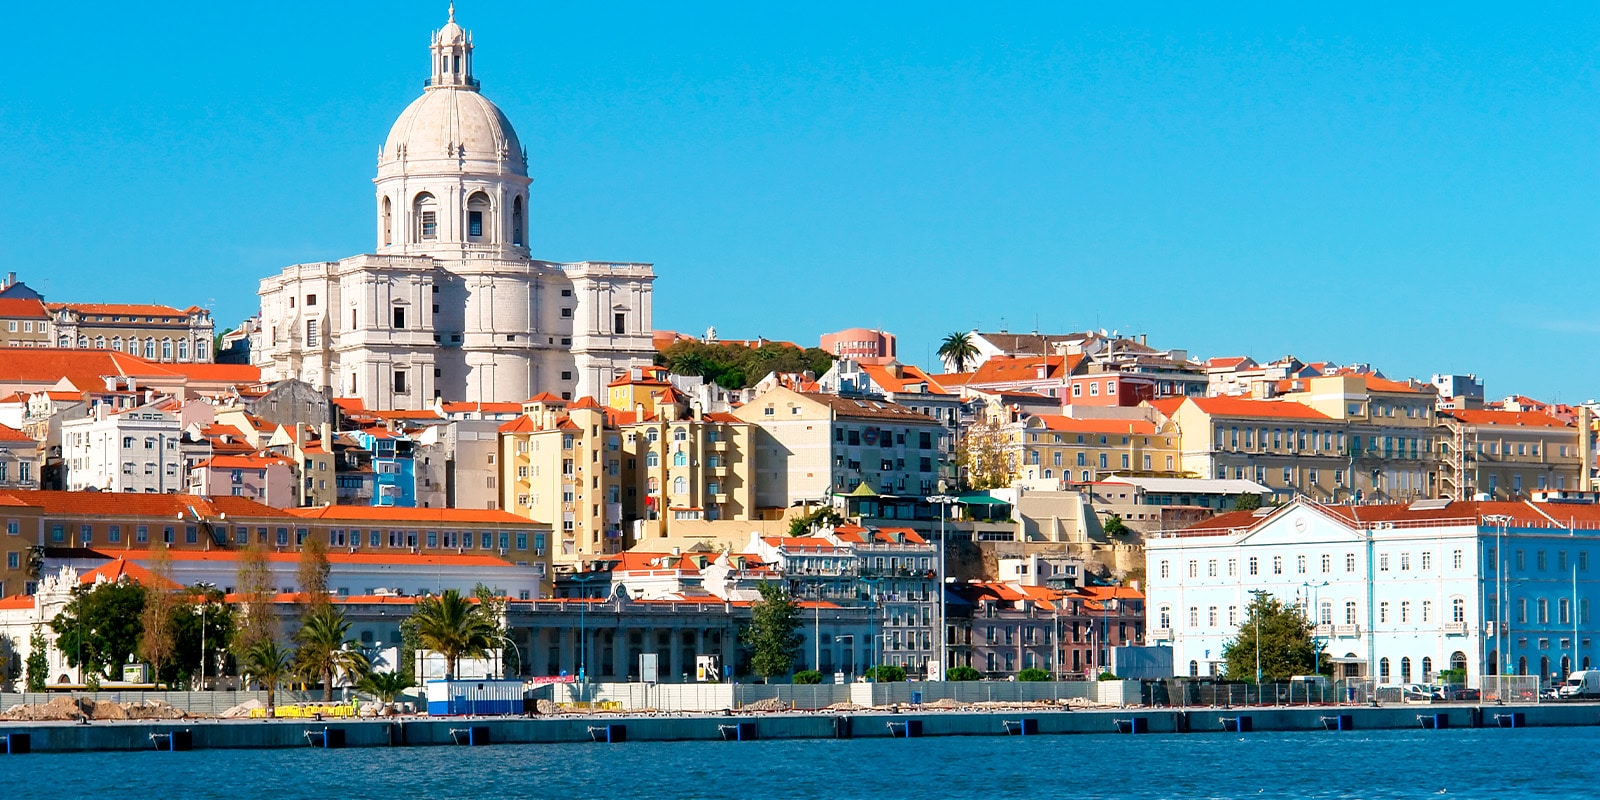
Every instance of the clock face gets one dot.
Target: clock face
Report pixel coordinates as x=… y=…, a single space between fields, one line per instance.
x=1300 y=524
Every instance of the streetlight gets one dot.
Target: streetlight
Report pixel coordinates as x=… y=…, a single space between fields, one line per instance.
x=205 y=593
x=943 y=501
x=1501 y=656
x=504 y=637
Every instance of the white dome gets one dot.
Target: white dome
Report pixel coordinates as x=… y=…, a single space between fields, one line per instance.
x=455 y=125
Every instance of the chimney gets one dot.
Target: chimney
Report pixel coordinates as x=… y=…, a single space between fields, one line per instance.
x=327 y=437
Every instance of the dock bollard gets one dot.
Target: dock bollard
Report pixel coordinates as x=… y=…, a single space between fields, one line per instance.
x=739 y=732
x=16 y=744
x=1239 y=724
x=1028 y=726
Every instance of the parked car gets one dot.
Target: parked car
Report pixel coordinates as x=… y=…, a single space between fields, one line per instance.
x=1420 y=693
x=1462 y=694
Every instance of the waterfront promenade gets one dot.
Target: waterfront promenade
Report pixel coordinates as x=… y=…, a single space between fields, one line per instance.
x=57 y=737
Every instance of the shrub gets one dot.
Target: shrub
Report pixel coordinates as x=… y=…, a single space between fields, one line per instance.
x=807 y=677
x=963 y=674
x=1033 y=674
x=886 y=673
x=1107 y=676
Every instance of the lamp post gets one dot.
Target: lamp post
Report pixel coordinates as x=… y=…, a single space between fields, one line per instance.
x=1501 y=656
x=205 y=595
x=943 y=501
x=505 y=637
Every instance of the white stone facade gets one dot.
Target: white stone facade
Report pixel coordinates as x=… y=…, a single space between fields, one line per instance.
x=139 y=450
x=451 y=305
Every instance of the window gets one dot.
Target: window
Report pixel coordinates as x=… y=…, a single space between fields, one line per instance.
x=1300 y=564
x=427 y=212
x=1327 y=563
x=1166 y=570
x=1349 y=612
x=400 y=382
x=1455 y=559
x=1383 y=611
x=399 y=317
x=1427 y=561
x=1349 y=562
x=1255 y=565
x=1405 y=610
x=1211 y=568
x=1383 y=562
x=1194 y=616
x=1458 y=609
x=1277 y=565
x=619 y=323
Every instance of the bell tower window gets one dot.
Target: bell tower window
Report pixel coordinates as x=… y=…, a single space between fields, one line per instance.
x=387 y=222
x=477 y=210
x=516 y=222
x=427 y=212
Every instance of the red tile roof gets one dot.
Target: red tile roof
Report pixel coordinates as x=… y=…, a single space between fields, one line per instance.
x=125 y=309
x=1056 y=422
x=1242 y=407
x=16 y=602
x=10 y=434
x=17 y=308
x=244 y=462
x=137 y=504
x=910 y=376
x=120 y=568
x=1527 y=419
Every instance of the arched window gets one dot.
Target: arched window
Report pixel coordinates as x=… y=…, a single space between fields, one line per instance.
x=477 y=212
x=680 y=485
x=1494 y=662
x=426 y=211
x=1166 y=617
x=652 y=459
x=150 y=348
x=1522 y=665
x=1383 y=670
x=1405 y=670
x=116 y=343
x=83 y=343
x=166 y=349
x=1544 y=667
x=680 y=459
x=1427 y=669
x=386 y=222
x=183 y=349
x=1566 y=666
x=1194 y=669
x=1458 y=661
x=1349 y=612
x=516 y=222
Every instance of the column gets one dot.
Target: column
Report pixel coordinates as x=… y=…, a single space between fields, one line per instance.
x=699 y=649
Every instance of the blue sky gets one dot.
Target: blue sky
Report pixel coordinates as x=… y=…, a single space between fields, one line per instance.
x=1413 y=187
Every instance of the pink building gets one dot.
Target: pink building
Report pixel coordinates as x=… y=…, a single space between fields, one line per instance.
x=268 y=480
x=860 y=344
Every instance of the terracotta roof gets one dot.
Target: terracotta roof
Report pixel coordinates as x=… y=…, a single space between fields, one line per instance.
x=953 y=380
x=486 y=408
x=120 y=568
x=546 y=398
x=632 y=561
x=585 y=403
x=12 y=307
x=909 y=376
x=125 y=309
x=1524 y=419
x=522 y=424
x=216 y=373
x=244 y=462
x=335 y=556
x=1522 y=514
x=1056 y=422
x=137 y=504
x=869 y=409
x=1242 y=407
x=1227 y=362
x=10 y=434
x=1021 y=370
x=442 y=516
x=85 y=369
x=16 y=602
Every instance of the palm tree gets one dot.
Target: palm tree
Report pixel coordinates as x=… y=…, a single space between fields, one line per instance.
x=267 y=663
x=325 y=648
x=958 y=351
x=455 y=628
x=385 y=686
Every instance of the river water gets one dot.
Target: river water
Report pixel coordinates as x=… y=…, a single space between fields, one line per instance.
x=1486 y=763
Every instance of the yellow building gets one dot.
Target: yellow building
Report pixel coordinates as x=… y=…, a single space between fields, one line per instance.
x=1509 y=454
x=607 y=479
x=1052 y=447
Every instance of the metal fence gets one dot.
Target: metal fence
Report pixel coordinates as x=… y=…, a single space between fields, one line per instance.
x=196 y=703
x=719 y=696
x=1509 y=688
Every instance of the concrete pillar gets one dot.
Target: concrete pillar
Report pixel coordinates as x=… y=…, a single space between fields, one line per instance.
x=672 y=666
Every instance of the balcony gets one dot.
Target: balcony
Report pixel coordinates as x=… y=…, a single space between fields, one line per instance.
x=1455 y=629
x=1347 y=631
x=1160 y=634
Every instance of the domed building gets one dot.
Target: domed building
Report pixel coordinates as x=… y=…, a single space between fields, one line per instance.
x=451 y=305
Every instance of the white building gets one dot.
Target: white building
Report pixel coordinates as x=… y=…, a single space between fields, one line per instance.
x=1398 y=592
x=451 y=304
x=137 y=450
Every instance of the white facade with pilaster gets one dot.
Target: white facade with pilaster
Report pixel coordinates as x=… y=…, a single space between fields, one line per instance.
x=451 y=305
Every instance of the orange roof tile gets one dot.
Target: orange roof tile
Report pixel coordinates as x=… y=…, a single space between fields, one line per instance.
x=10 y=434
x=1526 y=419
x=125 y=309
x=1242 y=407
x=909 y=376
x=137 y=504
x=1057 y=422
x=18 y=308
x=120 y=568
x=16 y=602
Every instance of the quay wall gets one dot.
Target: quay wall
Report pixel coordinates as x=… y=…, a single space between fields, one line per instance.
x=220 y=734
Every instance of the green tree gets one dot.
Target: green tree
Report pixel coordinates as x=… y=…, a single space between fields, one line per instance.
x=1286 y=644
x=734 y=365
x=773 y=634
x=188 y=638
x=325 y=650
x=267 y=663
x=986 y=457
x=1033 y=674
x=958 y=351
x=385 y=686
x=822 y=517
x=807 y=677
x=1247 y=502
x=36 y=671
x=1114 y=527
x=963 y=674
x=99 y=629
x=453 y=627
x=886 y=673
x=1106 y=676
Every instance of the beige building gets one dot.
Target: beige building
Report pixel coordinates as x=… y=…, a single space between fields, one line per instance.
x=607 y=479
x=1509 y=454
x=811 y=446
x=152 y=332
x=1048 y=447
x=24 y=322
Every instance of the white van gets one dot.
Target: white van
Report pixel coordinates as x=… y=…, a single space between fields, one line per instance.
x=1583 y=683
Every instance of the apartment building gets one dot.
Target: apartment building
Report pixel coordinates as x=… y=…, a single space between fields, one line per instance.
x=138 y=450
x=812 y=446
x=1508 y=455
x=24 y=322
x=1051 y=447
x=153 y=332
